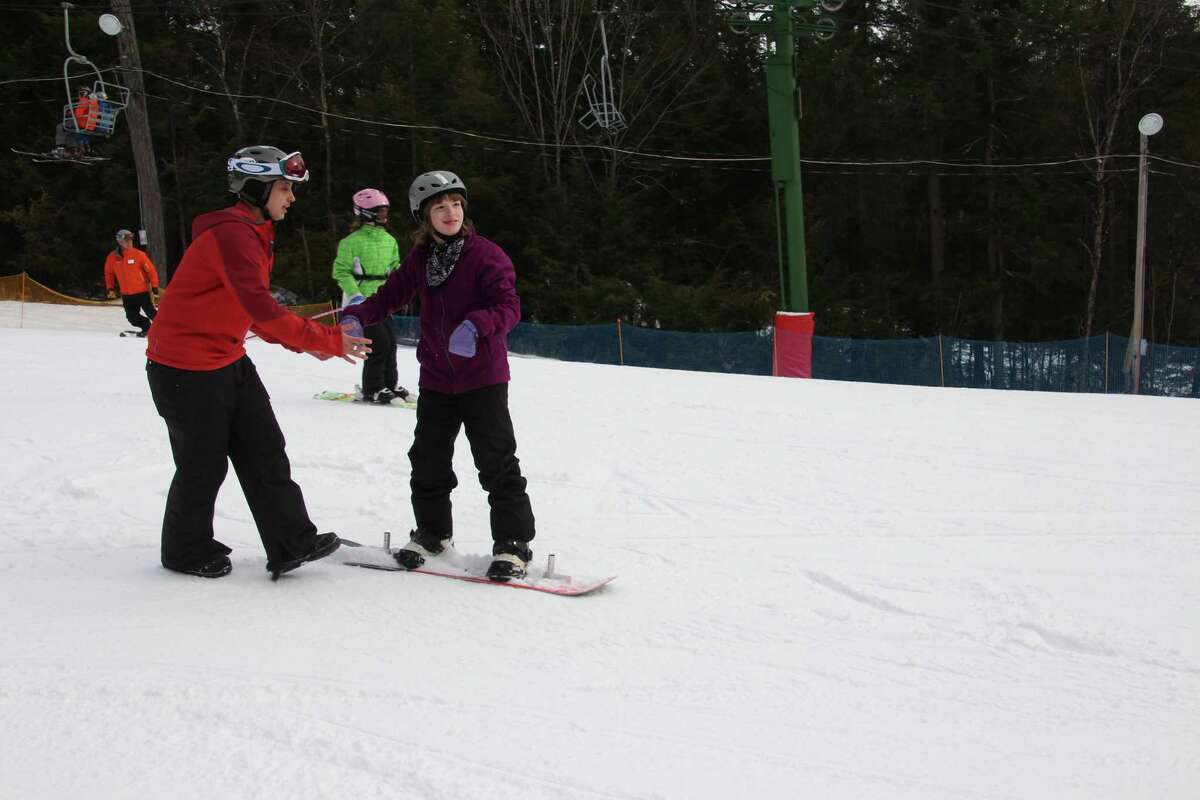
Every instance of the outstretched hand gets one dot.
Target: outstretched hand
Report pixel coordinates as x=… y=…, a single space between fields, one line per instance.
x=354 y=346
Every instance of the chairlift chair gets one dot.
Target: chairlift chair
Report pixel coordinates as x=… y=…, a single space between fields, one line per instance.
x=106 y=99
x=110 y=97
x=93 y=113
x=601 y=98
x=602 y=111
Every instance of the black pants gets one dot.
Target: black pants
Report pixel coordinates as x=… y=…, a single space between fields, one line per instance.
x=135 y=306
x=379 y=369
x=484 y=414
x=214 y=418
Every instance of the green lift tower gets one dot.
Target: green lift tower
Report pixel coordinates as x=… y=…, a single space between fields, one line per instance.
x=781 y=22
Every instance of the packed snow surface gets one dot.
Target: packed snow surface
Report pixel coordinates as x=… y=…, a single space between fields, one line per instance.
x=826 y=590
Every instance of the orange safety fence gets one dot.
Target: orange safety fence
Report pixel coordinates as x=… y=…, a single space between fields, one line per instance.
x=24 y=288
x=319 y=310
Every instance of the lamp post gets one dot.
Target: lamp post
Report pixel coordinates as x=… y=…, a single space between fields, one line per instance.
x=1147 y=127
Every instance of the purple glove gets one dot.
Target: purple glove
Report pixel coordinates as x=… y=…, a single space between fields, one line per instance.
x=355 y=325
x=462 y=341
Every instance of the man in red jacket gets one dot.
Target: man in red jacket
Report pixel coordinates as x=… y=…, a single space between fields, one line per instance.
x=206 y=388
x=134 y=275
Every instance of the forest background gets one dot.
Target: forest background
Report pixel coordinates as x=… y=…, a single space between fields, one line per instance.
x=970 y=165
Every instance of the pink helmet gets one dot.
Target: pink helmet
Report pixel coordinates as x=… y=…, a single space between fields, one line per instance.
x=366 y=199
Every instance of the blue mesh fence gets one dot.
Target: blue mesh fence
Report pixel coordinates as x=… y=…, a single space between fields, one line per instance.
x=1076 y=365
x=1170 y=371
x=909 y=361
x=594 y=344
x=1066 y=366
x=742 y=353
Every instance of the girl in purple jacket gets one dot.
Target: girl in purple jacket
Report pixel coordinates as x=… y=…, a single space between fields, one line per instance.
x=469 y=303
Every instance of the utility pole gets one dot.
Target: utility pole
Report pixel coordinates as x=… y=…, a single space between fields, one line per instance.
x=1147 y=127
x=149 y=194
x=778 y=23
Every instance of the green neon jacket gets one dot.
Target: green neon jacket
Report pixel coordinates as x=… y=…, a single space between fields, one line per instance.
x=377 y=255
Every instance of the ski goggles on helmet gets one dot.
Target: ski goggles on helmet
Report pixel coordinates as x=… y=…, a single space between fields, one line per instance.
x=290 y=167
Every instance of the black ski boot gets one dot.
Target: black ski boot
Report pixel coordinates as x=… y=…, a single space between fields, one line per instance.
x=421 y=545
x=510 y=561
x=323 y=545
x=215 y=567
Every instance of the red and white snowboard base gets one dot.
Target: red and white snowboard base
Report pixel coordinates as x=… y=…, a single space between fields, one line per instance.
x=468 y=567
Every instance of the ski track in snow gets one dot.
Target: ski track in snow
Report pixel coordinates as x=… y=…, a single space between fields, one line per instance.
x=825 y=590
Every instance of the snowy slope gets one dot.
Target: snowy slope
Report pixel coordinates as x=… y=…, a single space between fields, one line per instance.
x=827 y=590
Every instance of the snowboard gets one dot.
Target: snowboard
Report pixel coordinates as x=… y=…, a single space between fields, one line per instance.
x=353 y=397
x=138 y=334
x=471 y=568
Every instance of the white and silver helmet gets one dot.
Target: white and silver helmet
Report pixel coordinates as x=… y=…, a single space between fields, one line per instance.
x=431 y=184
x=263 y=164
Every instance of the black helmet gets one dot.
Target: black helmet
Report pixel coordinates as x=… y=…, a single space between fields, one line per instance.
x=432 y=184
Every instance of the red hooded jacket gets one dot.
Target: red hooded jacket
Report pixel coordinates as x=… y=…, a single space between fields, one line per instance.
x=220 y=291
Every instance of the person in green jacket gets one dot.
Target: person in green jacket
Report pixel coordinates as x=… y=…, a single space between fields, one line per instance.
x=364 y=259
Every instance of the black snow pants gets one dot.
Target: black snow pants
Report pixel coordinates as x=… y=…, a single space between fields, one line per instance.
x=214 y=418
x=484 y=414
x=379 y=368
x=135 y=306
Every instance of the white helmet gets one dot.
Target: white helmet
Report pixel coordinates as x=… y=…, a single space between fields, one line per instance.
x=431 y=184
x=263 y=164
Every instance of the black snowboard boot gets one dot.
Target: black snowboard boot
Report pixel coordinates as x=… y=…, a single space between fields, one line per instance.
x=323 y=545
x=510 y=561
x=421 y=545
x=215 y=567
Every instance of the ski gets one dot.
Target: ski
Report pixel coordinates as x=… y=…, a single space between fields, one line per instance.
x=354 y=397
x=53 y=158
x=138 y=334
x=472 y=568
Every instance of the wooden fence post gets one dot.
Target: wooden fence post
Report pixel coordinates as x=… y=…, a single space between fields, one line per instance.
x=1106 y=362
x=941 y=362
x=620 y=344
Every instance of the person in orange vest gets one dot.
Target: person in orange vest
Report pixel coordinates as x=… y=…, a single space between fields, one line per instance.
x=137 y=279
x=87 y=111
x=72 y=134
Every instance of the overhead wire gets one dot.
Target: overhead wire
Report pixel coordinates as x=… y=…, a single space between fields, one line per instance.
x=640 y=154
x=1017 y=164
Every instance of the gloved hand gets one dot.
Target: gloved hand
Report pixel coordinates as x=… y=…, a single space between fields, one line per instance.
x=355 y=300
x=110 y=294
x=462 y=340
x=352 y=326
x=155 y=293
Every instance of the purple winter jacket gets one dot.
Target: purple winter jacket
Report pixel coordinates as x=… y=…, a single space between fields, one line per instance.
x=482 y=288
